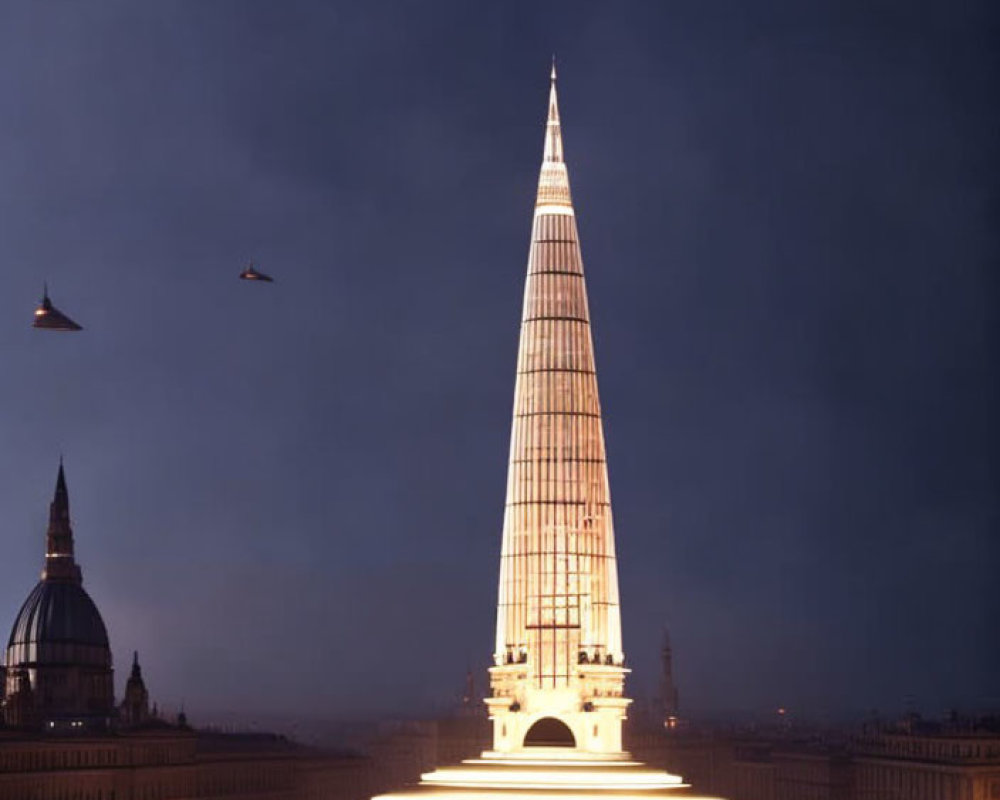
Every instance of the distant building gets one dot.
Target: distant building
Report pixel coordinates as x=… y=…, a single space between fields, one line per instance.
x=923 y=763
x=670 y=706
x=58 y=671
x=171 y=764
x=63 y=738
x=134 y=710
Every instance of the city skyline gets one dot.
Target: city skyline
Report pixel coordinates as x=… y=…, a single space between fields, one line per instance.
x=792 y=320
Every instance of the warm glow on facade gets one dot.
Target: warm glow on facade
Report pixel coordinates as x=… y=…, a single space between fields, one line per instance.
x=558 y=678
x=558 y=644
x=544 y=774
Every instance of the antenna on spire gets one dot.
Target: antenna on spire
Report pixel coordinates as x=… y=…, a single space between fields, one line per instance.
x=553 y=151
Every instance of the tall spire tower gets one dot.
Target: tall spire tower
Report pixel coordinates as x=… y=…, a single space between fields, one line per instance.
x=558 y=676
x=558 y=671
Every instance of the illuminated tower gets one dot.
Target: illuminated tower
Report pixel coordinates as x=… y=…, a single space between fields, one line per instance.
x=557 y=681
x=559 y=667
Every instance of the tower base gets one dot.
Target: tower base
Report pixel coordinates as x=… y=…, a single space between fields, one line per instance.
x=543 y=773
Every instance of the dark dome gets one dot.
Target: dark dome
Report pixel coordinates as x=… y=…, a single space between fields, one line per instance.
x=58 y=624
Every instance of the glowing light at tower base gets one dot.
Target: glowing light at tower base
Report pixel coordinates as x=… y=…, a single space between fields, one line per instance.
x=545 y=774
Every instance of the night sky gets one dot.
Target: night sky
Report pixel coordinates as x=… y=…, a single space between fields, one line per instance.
x=289 y=497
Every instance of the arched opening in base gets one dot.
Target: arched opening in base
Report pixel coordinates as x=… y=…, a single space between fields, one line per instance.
x=549 y=732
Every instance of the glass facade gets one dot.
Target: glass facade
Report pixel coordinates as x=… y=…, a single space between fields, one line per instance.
x=558 y=595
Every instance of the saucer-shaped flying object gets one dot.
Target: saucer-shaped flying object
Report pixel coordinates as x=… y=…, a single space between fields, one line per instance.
x=50 y=318
x=250 y=274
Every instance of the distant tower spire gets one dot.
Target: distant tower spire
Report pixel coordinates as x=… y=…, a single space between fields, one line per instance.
x=60 y=563
x=135 y=705
x=668 y=689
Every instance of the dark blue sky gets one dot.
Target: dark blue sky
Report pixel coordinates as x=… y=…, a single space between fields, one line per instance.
x=289 y=497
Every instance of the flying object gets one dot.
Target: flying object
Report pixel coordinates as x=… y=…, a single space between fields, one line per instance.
x=250 y=274
x=50 y=318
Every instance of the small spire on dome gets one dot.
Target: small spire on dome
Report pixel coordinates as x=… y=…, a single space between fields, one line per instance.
x=552 y=76
x=59 y=561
